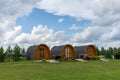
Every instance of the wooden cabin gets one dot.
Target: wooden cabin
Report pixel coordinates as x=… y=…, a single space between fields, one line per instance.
x=87 y=49
x=64 y=52
x=38 y=52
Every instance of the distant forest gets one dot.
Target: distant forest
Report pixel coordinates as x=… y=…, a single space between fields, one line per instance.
x=12 y=54
x=108 y=53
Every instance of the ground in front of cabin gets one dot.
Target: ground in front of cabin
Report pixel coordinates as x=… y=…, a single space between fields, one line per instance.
x=90 y=70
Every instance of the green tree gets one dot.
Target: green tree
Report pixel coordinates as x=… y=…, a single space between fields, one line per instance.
x=109 y=52
x=103 y=51
x=98 y=51
x=2 y=55
x=8 y=53
x=114 y=50
x=16 y=53
x=22 y=53
x=117 y=53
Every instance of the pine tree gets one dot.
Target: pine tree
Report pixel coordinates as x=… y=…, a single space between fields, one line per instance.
x=23 y=53
x=16 y=53
x=109 y=52
x=8 y=53
x=103 y=51
x=2 y=55
x=98 y=51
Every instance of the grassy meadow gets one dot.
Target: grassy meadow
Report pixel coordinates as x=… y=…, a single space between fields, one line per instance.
x=90 y=70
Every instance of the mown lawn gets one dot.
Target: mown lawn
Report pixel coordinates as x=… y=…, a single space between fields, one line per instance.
x=91 y=70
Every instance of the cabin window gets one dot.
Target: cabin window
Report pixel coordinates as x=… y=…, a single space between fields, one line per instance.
x=67 y=53
x=90 y=50
x=41 y=53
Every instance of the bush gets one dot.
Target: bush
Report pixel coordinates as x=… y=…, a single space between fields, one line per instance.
x=94 y=58
x=2 y=57
x=43 y=60
x=86 y=56
x=16 y=57
x=117 y=56
x=108 y=55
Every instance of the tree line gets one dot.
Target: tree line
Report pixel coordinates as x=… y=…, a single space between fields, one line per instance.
x=12 y=54
x=110 y=52
x=17 y=53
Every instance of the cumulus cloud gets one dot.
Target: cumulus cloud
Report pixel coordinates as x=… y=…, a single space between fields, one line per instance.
x=38 y=35
x=42 y=34
x=77 y=8
x=74 y=27
x=112 y=33
x=106 y=13
x=60 y=37
x=61 y=20
x=12 y=33
x=8 y=37
x=23 y=38
x=101 y=12
x=104 y=17
x=9 y=11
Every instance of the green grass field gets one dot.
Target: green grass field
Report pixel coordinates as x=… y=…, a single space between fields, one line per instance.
x=91 y=70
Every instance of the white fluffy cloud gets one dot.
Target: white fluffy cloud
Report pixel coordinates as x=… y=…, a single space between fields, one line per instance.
x=38 y=35
x=61 y=20
x=9 y=11
x=74 y=27
x=101 y=12
x=41 y=34
x=104 y=17
x=76 y=8
x=12 y=33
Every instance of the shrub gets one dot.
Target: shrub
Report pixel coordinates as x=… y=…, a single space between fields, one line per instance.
x=16 y=57
x=94 y=58
x=2 y=57
x=117 y=54
x=86 y=56
x=43 y=60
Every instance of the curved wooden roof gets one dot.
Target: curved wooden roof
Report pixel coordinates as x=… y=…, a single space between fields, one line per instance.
x=82 y=49
x=30 y=54
x=58 y=49
x=61 y=51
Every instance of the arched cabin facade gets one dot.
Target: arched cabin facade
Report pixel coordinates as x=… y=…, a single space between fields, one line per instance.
x=64 y=52
x=38 y=52
x=87 y=49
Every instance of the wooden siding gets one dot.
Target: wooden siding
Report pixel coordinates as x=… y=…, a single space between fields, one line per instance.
x=61 y=51
x=34 y=52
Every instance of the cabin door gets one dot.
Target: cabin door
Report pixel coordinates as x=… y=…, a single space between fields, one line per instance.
x=67 y=53
x=41 y=53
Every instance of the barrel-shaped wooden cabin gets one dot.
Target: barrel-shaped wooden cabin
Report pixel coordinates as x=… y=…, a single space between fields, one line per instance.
x=87 y=49
x=63 y=51
x=38 y=52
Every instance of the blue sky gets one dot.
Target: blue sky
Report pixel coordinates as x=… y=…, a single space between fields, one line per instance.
x=39 y=16
x=58 y=22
